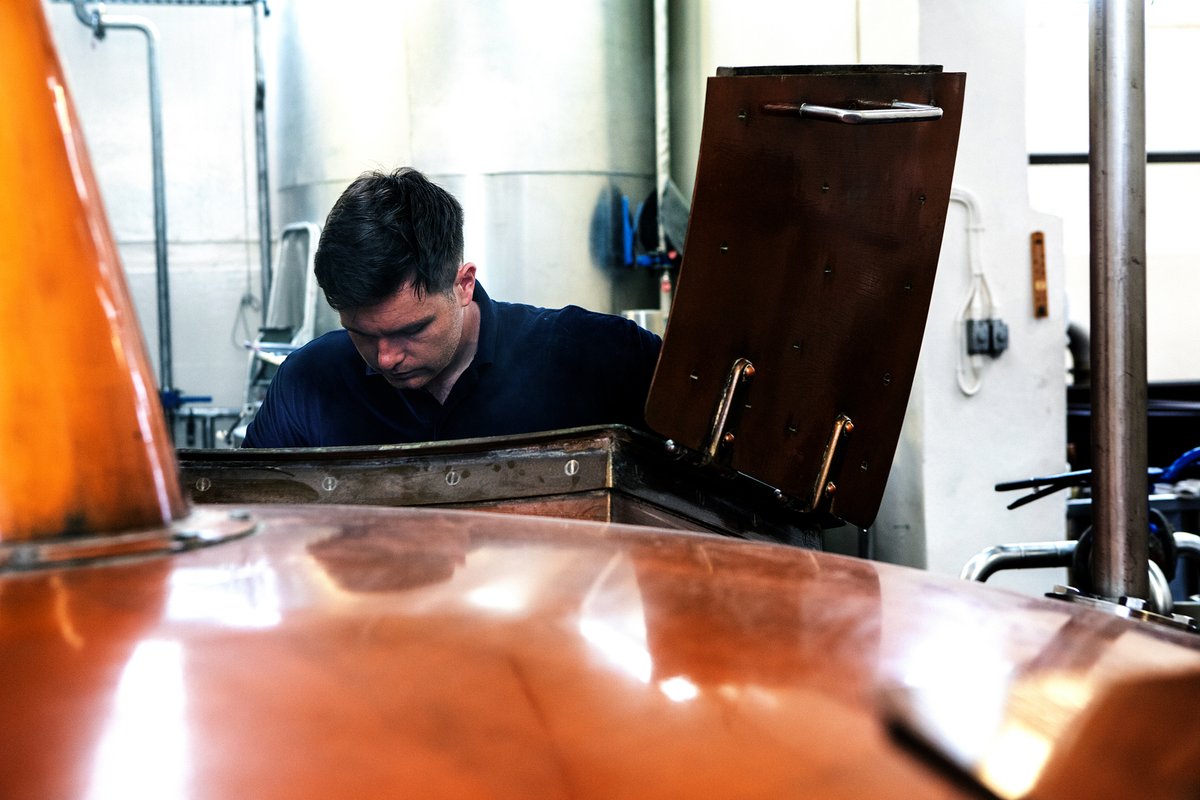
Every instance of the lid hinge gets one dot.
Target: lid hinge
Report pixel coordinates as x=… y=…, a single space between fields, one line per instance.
x=739 y=375
x=824 y=489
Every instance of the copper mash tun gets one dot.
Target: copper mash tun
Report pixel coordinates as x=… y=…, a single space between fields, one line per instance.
x=653 y=622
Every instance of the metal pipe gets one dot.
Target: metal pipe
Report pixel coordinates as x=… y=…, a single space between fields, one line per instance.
x=260 y=142
x=89 y=18
x=662 y=116
x=1160 y=600
x=101 y=23
x=662 y=145
x=1117 y=159
x=1029 y=555
x=1188 y=545
x=1079 y=343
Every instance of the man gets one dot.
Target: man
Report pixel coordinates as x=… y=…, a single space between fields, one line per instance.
x=425 y=354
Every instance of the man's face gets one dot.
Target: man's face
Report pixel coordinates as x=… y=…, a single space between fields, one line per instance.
x=412 y=341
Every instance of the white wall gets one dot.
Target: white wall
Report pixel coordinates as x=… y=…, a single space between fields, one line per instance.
x=940 y=508
x=207 y=73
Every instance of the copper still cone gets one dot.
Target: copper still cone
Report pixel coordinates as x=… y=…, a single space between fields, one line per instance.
x=83 y=442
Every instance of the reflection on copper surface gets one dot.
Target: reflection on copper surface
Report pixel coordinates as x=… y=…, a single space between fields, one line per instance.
x=144 y=750
x=774 y=592
x=244 y=595
x=372 y=558
x=679 y=689
x=62 y=613
x=66 y=637
x=1137 y=739
x=1023 y=715
x=612 y=621
x=503 y=596
x=556 y=660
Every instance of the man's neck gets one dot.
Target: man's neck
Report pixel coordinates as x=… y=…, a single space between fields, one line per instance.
x=440 y=386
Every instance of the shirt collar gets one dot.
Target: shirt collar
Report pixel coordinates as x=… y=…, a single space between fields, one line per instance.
x=485 y=348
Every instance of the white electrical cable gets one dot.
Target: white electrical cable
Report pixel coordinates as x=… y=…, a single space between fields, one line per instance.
x=980 y=303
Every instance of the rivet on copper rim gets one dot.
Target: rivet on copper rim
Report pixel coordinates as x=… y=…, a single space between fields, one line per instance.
x=849 y=427
x=748 y=372
x=727 y=438
x=831 y=488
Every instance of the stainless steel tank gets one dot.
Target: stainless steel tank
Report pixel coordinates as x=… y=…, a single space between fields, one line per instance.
x=537 y=115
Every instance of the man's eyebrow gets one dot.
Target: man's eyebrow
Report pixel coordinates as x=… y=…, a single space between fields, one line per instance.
x=410 y=328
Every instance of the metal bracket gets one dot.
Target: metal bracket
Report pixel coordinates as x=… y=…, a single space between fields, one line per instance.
x=1128 y=607
x=201 y=528
x=896 y=111
x=741 y=372
x=824 y=489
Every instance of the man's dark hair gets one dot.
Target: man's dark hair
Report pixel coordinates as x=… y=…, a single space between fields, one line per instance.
x=386 y=232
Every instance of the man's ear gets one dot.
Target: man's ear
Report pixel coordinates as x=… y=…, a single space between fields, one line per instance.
x=464 y=283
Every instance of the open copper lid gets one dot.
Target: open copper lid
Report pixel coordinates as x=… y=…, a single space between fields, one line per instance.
x=810 y=257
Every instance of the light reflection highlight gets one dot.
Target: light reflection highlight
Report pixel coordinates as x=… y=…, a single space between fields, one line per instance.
x=1015 y=760
x=679 y=689
x=613 y=620
x=507 y=598
x=623 y=648
x=143 y=752
x=246 y=596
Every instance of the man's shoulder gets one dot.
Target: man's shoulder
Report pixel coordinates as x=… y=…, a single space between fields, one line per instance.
x=577 y=342
x=328 y=351
x=323 y=374
x=320 y=366
x=569 y=320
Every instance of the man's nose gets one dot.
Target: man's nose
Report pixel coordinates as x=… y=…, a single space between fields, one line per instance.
x=391 y=355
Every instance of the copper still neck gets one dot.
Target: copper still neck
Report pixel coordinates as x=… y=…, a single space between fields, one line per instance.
x=83 y=441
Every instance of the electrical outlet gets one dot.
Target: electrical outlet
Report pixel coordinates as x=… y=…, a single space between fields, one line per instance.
x=979 y=337
x=999 y=338
x=986 y=337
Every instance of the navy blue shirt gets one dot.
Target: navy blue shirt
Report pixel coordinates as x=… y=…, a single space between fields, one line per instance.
x=535 y=369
